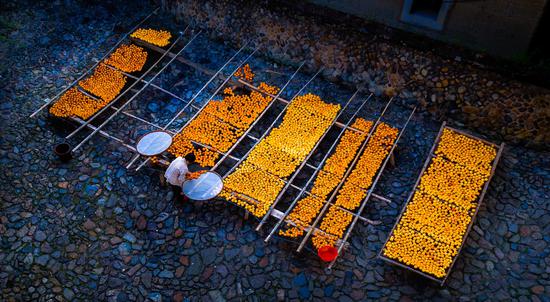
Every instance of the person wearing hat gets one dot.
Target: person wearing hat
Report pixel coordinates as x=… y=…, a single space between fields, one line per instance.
x=176 y=174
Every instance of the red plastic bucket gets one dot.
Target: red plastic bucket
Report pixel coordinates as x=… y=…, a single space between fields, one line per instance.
x=327 y=253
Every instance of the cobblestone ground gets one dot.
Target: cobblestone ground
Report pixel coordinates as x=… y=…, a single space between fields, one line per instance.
x=91 y=230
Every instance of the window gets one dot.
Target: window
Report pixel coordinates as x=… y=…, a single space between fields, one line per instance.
x=426 y=13
x=426 y=8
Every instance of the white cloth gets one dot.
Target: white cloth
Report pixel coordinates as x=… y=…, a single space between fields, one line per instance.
x=176 y=172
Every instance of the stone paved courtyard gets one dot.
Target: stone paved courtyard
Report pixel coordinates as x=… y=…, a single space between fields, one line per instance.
x=91 y=230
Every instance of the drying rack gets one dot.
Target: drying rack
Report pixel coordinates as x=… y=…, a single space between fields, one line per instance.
x=173 y=53
x=479 y=200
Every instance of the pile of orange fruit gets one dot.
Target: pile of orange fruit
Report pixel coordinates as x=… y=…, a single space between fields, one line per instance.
x=245 y=73
x=305 y=121
x=452 y=182
x=128 y=58
x=105 y=83
x=338 y=162
x=252 y=188
x=302 y=215
x=239 y=110
x=332 y=227
x=354 y=190
x=212 y=131
x=195 y=175
x=182 y=145
x=324 y=183
x=420 y=251
x=268 y=88
x=432 y=228
x=472 y=153
x=375 y=153
x=273 y=160
x=444 y=221
x=328 y=178
x=220 y=124
x=74 y=103
x=156 y=37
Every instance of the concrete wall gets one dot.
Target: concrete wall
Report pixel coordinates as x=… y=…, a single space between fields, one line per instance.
x=500 y=27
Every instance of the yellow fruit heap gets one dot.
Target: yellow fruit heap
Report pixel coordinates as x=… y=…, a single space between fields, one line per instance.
x=105 y=83
x=74 y=103
x=128 y=58
x=419 y=251
x=328 y=178
x=278 y=154
x=209 y=130
x=181 y=146
x=245 y=73
x=156 y=37
x=273 y=160
x=332 y=227
x=354 y=190
x=432 y=228
x=238 y=110
x=220 y=125
x=452 y=182
x=472 y=153
x=375 y=153
x=195 y=175
x=338 y=162
x=444 y=221
x=251 y=188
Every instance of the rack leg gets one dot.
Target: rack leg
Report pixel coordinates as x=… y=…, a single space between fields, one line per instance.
x=162 y=180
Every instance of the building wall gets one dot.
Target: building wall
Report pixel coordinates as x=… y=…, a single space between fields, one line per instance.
x=500 y=27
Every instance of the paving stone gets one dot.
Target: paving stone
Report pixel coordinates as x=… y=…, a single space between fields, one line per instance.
x=42 y=260
x=68 y=294
x=537 y=289
x=329 y=290
x=216 y=296
x=299 y=280
x=222 y=270
x=39 y=236
x=166 y=274
x=146 y=279
x=89 y=225
x=258 y=281
x=130 y=237
x=155 y=297
x=247 y=250
x=304 y=293
x=196 y=266
x=209 y=255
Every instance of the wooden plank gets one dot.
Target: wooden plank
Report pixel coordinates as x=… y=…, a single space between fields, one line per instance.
x=408 y=268
x=472 y=136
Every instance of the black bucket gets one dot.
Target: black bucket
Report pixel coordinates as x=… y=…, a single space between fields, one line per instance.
x=63 y=151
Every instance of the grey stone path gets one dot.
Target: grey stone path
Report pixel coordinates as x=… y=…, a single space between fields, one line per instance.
x=91 y=230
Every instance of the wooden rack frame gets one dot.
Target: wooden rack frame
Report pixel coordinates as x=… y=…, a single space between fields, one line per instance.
x=226 y=77
x=431 y=155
